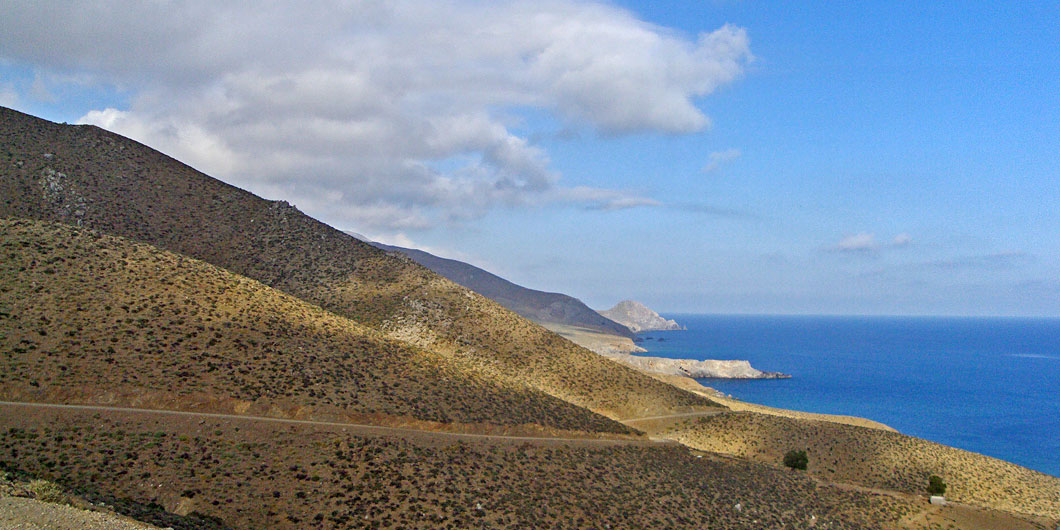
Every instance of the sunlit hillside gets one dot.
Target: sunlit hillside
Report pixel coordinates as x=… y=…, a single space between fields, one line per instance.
x=85 y=176
x=94 y=318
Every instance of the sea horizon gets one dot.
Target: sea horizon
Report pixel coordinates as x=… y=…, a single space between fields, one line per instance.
x=984 y=384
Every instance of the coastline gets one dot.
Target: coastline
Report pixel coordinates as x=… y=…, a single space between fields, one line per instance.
x=695 y=369
x=691 y=385
x=626 y=351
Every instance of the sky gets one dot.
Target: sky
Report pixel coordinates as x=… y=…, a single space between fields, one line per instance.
x=711 y=156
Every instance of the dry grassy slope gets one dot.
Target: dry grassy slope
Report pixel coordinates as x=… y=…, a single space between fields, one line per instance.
x=253 y=475
x=85 y=176
x=877 y=458
x=82 y=310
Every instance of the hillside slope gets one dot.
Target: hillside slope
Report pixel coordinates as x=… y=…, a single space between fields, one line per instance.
x=251 y=475
x=85 y=176
x=538 y=306
x=89 y=317
x=875 y=458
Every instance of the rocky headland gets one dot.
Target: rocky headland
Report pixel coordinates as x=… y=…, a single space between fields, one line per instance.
x=637 y=317
x=696 y=369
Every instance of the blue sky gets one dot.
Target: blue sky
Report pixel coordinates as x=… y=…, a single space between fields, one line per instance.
x=716 y=157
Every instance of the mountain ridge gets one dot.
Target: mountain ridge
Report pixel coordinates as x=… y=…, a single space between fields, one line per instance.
x=539 y=306
x=86 y=176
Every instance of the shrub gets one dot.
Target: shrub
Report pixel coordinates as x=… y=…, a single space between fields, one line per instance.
x=46 y=491
x=796 y=459
x=935 y=485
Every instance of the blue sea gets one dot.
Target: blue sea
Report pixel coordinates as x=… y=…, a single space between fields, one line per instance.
x=989 y=385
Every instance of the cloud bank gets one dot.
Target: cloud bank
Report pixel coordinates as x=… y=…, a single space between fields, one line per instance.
x=865 y=242
x=720 y=158
x=860 y=242
x=381 y=115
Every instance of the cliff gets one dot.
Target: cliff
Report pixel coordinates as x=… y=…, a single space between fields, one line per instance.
x=637 y=317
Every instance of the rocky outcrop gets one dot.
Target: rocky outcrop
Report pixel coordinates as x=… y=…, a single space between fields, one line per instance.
x=637 y=317
x=696 y=369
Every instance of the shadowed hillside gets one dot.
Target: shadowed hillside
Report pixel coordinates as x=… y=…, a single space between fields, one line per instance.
x=538 y=306
x=90 y=317
x=85 y=176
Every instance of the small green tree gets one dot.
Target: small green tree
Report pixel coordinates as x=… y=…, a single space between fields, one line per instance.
x=935 y=485
x=796 y=459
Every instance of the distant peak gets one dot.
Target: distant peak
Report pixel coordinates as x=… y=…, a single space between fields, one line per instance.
x=638 y=317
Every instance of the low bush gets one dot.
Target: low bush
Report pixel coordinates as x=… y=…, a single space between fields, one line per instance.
x=936 y=486
x=46 y=491
x=796 y=459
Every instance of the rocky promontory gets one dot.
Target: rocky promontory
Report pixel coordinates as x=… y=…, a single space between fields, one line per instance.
x=637 y=317
x=696 y=369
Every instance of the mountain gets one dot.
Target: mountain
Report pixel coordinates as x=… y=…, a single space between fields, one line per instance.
x=86 y=176
x=538 y=306
x=89 y=317
x=637 y=317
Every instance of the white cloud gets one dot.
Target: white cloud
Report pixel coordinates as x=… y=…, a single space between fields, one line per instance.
x=719 y=158
x=860 y=242
x=390 y=114
x=866 y=242
x=400 y=239
x=602 y=199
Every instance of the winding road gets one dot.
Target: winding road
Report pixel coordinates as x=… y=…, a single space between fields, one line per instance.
x=700 y=414
x=358 y=426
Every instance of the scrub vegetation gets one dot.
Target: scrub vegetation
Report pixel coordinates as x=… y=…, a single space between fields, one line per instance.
x=97 y=317
x=876 y=458
x=249 y=475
